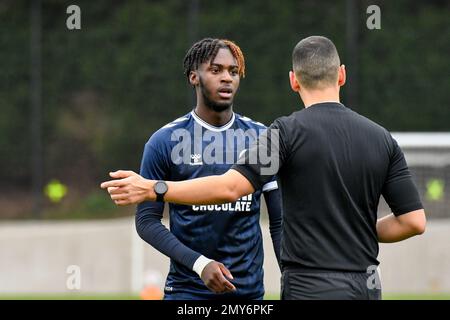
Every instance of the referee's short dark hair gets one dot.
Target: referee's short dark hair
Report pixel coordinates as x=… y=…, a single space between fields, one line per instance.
x=316 y=62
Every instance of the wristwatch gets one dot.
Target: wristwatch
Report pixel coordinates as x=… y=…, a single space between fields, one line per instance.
x=160 y=188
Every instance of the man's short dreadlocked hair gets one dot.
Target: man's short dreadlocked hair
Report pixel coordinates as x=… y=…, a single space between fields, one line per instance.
x=206 y=49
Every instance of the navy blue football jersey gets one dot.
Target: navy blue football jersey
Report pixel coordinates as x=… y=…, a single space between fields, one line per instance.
x=229 y=233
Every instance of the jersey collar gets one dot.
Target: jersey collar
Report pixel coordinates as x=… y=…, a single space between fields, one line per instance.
x=206 y=125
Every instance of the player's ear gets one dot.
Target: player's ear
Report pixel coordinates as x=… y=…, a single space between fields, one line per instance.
x=193 y=78
x=342 y=76
x=295 y=86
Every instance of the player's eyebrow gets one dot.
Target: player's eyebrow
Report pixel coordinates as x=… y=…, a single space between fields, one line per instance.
x=222 y=66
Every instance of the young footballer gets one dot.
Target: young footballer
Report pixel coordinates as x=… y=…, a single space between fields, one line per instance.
x=216 y=251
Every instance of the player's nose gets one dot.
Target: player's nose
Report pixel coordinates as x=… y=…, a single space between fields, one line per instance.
x=226 y=77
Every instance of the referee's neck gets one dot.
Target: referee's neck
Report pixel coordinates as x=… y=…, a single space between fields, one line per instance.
x=324 y=101
x=311 y=97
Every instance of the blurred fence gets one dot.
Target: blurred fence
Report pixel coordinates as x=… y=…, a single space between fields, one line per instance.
x=428 y=158
x=36 y=256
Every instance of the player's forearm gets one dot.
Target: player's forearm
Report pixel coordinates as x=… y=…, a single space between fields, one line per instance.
x=152 y=231
x=393 y=229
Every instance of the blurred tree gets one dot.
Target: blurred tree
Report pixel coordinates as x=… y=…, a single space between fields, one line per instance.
x=107 y=87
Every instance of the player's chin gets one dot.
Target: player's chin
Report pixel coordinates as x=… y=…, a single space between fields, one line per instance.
x=222 y=107
x=222 y=104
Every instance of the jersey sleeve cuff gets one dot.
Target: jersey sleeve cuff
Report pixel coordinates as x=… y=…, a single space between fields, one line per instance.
x=248 y=174
x=200 y=264
x=272 y=185
x=407 y=208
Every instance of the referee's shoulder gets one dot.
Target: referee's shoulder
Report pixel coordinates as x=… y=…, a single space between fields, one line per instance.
x=289 y=120
x=371 y=124
x=375 y=130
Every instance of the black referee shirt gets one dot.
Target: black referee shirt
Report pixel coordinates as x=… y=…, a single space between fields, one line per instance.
x=333 y=166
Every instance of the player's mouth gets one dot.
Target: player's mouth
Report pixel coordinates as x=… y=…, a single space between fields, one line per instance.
x=225 y=92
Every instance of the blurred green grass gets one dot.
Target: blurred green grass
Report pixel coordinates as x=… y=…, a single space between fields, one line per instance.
x=409 y=296
x=102 y=296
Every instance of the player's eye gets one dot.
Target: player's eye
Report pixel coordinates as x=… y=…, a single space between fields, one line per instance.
x=215 y=70
x=234 y=72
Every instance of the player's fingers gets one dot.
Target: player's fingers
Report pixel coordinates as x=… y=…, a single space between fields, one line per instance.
x=215 y=288
x=117 y=190
x=229 y=286
x=121 y=196
x=121 y=202
x=225 y=271
x=122 y=173
x=224 y=284
x=112 y=183
x=112 y=189
x=212 y=285
x=215 y=283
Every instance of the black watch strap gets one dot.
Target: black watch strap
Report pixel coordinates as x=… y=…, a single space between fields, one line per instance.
x=159 y=197
x=160 y=188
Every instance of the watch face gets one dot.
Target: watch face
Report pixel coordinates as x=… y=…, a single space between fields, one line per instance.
x=160 y=187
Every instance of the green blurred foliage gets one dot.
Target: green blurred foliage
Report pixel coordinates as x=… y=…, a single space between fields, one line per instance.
x=107 y=87
x=93 y=205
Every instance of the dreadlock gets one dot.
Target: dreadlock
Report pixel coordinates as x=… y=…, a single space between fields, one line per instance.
x=207 y=49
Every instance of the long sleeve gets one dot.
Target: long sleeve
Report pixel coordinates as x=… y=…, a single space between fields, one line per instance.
x=155 y=165
x=274 y=209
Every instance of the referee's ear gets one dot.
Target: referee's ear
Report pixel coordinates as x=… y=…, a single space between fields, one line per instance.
x=342 y=76
x=295 y=86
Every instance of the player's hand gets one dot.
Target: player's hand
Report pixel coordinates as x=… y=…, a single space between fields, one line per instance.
x=213 y=275
x=129 y=188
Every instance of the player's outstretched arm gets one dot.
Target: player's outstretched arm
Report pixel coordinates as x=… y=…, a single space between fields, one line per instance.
x=393 y=228
x=131 y=188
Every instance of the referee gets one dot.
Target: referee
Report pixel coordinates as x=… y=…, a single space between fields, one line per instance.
x=333 y=165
